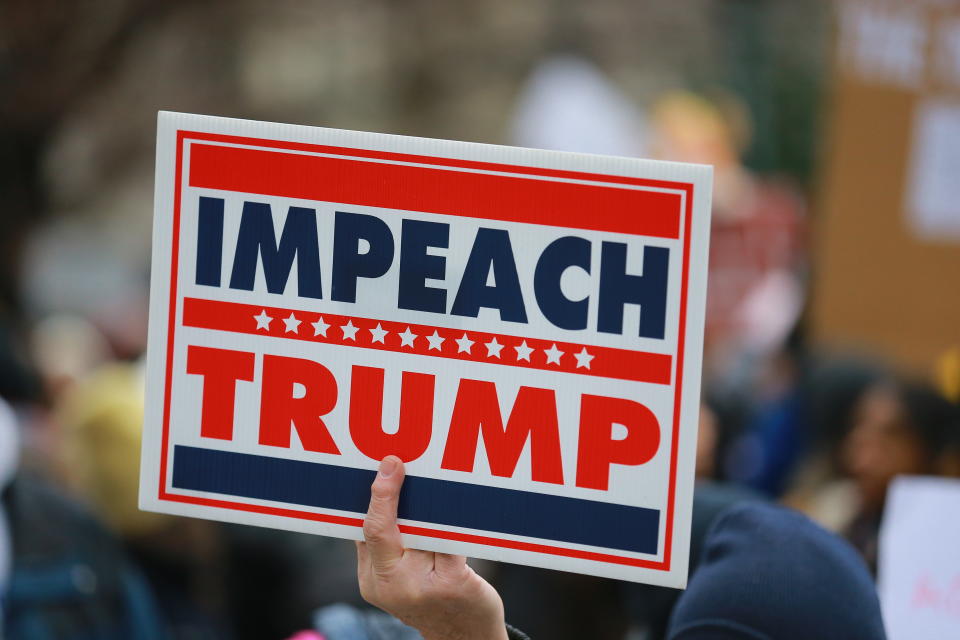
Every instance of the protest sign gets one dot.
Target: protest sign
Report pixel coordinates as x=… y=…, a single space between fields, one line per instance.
x=523 y=328
x=919 y=559
x=888 y=207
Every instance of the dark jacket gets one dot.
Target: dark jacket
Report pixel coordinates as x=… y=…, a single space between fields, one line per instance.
x=70 y=579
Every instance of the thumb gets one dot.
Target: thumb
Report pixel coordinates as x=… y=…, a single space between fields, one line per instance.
x=380 y=526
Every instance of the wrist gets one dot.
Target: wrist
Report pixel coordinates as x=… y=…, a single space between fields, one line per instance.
x=498 y=632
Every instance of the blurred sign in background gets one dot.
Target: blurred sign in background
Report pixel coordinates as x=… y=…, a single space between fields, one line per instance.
x=888 y=235
x=919 y=573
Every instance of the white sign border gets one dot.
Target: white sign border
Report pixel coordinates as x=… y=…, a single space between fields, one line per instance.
x=699 y=176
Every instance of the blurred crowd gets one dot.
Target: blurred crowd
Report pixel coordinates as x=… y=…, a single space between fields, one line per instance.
x=782 y=419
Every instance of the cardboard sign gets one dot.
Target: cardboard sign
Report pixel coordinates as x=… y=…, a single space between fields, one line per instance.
x=888 y=219
x=523 y=328
x=919 y=559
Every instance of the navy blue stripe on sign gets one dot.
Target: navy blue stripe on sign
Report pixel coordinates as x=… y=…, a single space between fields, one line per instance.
x=457 y=504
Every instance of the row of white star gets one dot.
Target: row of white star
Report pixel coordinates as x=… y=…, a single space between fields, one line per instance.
x=407 y=338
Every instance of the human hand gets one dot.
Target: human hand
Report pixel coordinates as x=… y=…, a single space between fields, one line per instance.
x=436 y=593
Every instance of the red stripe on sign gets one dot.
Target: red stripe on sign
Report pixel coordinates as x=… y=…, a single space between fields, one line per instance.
x=428 y=340
x=436 y=189
x=392 y=156
x=678 y=392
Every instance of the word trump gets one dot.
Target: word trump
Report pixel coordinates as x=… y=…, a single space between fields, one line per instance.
x=365 y=247
x=296 y=394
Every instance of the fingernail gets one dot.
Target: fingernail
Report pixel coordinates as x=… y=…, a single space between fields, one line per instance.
x=387 y=467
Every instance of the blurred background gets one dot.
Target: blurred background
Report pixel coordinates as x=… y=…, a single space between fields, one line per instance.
x=832 y=358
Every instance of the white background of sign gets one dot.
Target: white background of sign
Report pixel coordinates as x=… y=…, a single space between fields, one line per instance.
x=934 y=186
x=919 y=559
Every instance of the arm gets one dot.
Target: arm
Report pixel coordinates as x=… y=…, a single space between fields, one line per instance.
x=436 y=593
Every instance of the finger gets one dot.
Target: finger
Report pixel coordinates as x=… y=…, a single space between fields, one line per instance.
x=380 y=529
x=449 y=564
x=363 y=558
x=419 y=562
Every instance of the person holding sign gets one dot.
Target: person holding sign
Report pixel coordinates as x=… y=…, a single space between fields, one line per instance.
x=436 y=593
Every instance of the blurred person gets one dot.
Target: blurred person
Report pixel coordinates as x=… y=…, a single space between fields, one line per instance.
x=833 y=386
x=756 y=273
x=100 y=419
x=898 y=427
x=757 y=249
x=770 y=572
x=66 y=349
x=62 y=576
x=773 y=438
x=764 y=574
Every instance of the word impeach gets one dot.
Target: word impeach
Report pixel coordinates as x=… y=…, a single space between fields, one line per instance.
x=364 y=247
x=519 y=334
